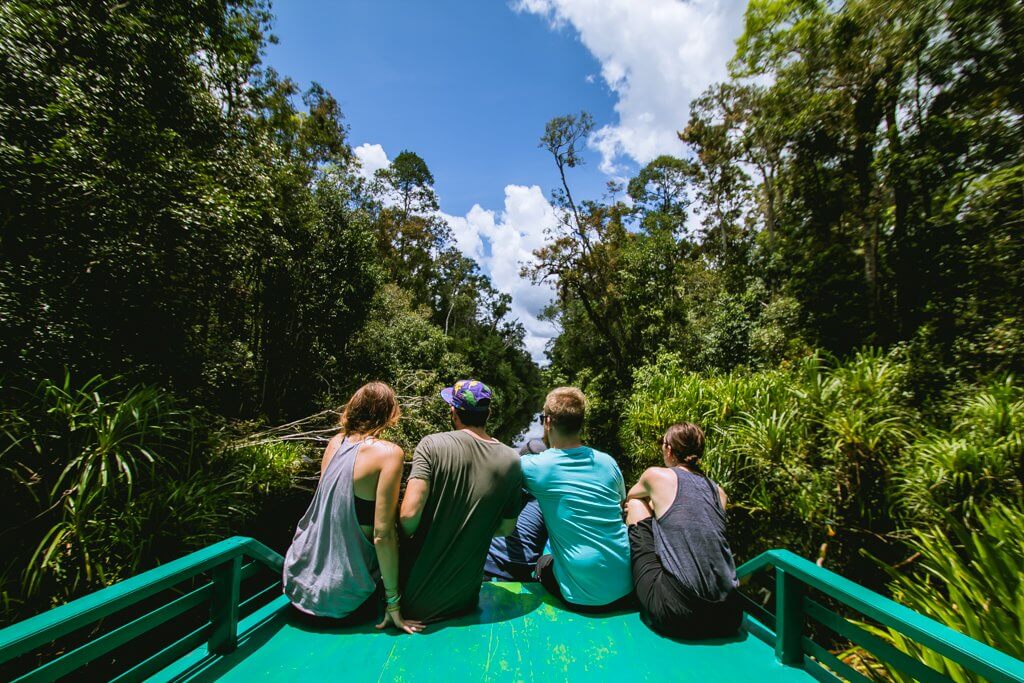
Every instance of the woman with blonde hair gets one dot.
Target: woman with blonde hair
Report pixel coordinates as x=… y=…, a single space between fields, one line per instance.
x=347 y=542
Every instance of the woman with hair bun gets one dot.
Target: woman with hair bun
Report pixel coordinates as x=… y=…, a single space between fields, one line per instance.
x=347 y=542
x=683 y=569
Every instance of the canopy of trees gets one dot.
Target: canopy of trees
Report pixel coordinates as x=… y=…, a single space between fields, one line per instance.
x=188 y=248
x=858 y=180
x=176 y=212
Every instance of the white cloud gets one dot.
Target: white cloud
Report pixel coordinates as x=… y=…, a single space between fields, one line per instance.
x=371 y=158
x=511 y=236
x=499 y=243
x=467 y=234
x=656 y=55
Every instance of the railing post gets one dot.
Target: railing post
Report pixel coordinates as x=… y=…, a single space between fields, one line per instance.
x=789 y=618
x=227 y=580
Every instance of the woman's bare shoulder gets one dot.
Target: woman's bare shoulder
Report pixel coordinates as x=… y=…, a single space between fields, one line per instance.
x=658 y=478
x=658 y=473
x=383 y=449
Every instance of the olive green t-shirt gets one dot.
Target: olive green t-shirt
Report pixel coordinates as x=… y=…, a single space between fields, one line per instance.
x=473 y=486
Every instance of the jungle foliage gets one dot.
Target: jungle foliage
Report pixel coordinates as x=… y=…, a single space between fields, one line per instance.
x=833 y=456
x=857 y=181
x=182 y=220
x=830 y=281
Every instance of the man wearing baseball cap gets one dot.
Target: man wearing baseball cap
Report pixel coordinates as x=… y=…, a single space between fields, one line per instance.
x=464 y=489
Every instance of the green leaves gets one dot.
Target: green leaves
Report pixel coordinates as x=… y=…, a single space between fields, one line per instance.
x=961 y=472
x=830 y=444
x=969 y=577
x=771 y=31
x=86 y=452
x=563 y=136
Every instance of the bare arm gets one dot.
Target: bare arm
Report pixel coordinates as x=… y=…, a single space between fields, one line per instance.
x=416 y=493
x=641 y=490
x=385 y=534
x=513 y=506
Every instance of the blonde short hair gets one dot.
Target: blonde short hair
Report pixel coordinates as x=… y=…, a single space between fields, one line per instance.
x=566 y=407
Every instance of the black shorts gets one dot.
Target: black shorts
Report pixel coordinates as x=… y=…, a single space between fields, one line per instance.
x=545 y=574
x=669 y=608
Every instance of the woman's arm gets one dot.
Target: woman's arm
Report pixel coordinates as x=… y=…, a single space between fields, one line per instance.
x=641 y=489
x=385 y=534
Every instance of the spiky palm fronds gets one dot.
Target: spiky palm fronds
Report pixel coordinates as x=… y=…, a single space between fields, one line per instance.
x=970 y=578
x=977 y=460
x=106 y=478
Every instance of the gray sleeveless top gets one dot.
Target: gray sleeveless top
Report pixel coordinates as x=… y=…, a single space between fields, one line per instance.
x=689 y=538
x=331 y=567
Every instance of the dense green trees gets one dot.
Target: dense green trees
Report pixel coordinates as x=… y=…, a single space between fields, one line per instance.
x=177 y=215
x=174 y=210
x=856 y=181
x=853 y=192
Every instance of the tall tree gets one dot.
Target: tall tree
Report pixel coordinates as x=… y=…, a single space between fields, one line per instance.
x=411 y=234
x=578 y=256
x=661 y=191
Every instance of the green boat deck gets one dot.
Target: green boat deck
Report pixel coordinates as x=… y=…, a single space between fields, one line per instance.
x=519 y=634
x=218 y=614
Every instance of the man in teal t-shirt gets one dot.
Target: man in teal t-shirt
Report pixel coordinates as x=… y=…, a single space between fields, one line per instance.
x=580 y=491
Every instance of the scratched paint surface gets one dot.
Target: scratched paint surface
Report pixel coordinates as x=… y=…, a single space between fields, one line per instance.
x=519 y=634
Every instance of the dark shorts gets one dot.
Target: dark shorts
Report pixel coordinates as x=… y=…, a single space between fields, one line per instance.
x=669 y=608
x=545 y=574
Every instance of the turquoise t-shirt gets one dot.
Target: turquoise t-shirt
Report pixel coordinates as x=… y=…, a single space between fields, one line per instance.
x=580 y=492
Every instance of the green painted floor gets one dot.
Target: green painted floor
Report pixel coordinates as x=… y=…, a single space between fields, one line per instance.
x=519 y=634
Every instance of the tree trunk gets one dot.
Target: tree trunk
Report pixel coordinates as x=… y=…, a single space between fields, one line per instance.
x=603 y=329
x=768 y=185
x=901 y=198
x=866 y=118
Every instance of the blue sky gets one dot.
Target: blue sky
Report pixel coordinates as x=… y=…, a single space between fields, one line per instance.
x=469 y=85
x=466 y=85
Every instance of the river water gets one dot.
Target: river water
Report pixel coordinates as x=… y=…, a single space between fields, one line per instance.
x=534 y=431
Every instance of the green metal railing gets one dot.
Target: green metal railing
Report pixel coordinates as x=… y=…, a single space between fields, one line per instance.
x=793 y=608
x=222 y=594
x=224 y=565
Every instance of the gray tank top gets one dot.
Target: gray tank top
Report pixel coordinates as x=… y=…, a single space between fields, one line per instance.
x=331 y=567
x=689 y=538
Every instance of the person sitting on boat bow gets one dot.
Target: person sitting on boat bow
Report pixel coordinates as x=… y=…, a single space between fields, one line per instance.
x=580 y=491
x=347 y=542
x=463 y=490
x=683 y=568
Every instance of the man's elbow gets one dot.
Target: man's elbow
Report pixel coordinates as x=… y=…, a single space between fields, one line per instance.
x=408 y=522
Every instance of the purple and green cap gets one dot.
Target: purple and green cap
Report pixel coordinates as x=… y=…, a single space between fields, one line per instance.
x=468 y=394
